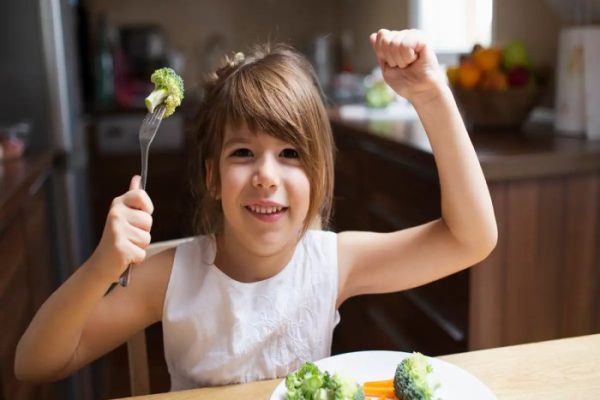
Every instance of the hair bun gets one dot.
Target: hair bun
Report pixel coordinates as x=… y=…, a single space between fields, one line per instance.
x=238 y=57
x=236 y=60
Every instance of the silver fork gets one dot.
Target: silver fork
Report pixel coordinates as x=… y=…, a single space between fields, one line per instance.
x=146 y=135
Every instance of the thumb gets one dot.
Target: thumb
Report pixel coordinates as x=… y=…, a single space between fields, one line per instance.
x=135 y=182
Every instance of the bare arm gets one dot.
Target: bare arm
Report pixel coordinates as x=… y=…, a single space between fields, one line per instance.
x=466 y=233
x=78 y=323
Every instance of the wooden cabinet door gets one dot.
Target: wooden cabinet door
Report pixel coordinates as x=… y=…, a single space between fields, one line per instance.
x=38 y=245
x=14 y=307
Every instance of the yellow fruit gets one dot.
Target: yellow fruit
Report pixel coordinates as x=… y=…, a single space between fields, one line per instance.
x=452 y=74
x=468 y=74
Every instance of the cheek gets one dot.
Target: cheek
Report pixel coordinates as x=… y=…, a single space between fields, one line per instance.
x=302 y=189
x=233 y=181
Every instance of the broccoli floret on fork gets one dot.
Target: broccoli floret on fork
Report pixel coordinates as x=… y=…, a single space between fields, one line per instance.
x=168 y=89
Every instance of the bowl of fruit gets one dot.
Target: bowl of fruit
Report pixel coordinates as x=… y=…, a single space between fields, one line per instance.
x=496 y=87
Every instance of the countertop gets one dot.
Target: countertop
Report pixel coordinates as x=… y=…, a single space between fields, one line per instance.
x=556 y=369
x=535 y=151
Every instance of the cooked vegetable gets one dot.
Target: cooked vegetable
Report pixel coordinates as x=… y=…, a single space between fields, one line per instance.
x=345 y=388
x=309 y=383
x=168 y=89
x=380 y=389
x=304 y=383
x=412 y=378
x=384 y=392
x=388 y=383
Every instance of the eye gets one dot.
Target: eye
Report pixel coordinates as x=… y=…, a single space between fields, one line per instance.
x=289 y=153
x=241 y=153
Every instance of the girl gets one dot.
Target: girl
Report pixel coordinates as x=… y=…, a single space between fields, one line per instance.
x=257 y=294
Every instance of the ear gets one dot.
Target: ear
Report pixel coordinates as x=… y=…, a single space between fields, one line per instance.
x=210 y=179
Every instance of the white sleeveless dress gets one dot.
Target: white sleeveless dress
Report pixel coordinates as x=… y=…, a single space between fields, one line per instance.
x=219 y=331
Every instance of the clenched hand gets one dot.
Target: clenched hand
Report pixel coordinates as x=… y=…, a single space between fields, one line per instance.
x=408 y=63
x=126 y=232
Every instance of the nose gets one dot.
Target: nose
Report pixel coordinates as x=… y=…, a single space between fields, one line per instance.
x=266 y=175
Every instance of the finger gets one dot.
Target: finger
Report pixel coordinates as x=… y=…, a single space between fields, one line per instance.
x=397 y=47
x=130 y=252
x=377 y=43
x=140 y=219
x=384 y=46
x=417 y=41
x=413 y=43
x=139 y=237
x=137 y=255
x=135 y=182
x=373 y=40
x=139 y=200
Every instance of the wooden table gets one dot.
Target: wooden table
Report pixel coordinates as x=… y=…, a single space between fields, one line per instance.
x=556 y=369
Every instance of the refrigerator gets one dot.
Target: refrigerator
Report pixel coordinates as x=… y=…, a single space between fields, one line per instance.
x=41 y=84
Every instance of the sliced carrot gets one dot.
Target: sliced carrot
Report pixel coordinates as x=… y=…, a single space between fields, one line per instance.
x=384 y=383
x=379 y=391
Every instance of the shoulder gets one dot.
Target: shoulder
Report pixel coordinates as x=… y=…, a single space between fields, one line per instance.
x=322 y=242
x=317 y=235
x=152 y=277
x=354 y=247
x=190 y=265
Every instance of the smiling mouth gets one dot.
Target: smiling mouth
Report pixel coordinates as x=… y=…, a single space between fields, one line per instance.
x=272 y=210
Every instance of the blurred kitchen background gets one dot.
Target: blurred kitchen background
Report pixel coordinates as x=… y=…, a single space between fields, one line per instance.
x=73 y=75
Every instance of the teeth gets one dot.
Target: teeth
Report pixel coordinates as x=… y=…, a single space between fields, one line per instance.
x=264 y=210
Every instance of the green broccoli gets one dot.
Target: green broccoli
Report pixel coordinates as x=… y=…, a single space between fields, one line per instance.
x=304 y=382
x=411 y=380
x=345 y=388
x=309 y=383
x=168 y=89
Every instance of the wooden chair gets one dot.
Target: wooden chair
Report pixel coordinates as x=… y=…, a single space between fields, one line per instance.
x=137 y=352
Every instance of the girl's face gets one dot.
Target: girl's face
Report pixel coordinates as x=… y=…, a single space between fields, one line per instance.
x=264 y=190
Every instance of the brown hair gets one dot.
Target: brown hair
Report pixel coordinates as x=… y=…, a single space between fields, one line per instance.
x=275 y=91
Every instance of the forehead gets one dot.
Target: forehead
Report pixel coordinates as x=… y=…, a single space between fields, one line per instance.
x=237 y=131
x=242 y=133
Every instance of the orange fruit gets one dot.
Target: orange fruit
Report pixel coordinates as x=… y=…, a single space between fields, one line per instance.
x=469 y=74
x=487 y=59
x=495 y=80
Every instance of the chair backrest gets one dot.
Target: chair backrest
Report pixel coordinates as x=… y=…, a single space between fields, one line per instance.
x=137 y=352
x=137 y=356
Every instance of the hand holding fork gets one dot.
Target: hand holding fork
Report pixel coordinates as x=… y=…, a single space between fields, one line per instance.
x=147 y=132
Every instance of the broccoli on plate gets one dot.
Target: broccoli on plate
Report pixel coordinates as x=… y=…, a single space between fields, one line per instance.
x=309 y=383
x=168 y=89
x=412 y=380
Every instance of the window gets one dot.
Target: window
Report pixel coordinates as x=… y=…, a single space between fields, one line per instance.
x=453 y=26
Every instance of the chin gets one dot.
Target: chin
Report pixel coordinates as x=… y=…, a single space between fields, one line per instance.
x=269 y=242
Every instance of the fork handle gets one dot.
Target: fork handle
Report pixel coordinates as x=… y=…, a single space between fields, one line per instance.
x=124 y=278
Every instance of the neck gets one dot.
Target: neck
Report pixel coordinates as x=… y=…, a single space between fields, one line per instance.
x=243 y=264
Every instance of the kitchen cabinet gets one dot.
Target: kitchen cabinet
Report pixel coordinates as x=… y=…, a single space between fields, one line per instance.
x=539 y=283
x=114 y=157
x=26 y=275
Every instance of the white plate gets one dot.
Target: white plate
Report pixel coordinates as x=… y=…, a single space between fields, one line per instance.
x=456 y=383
